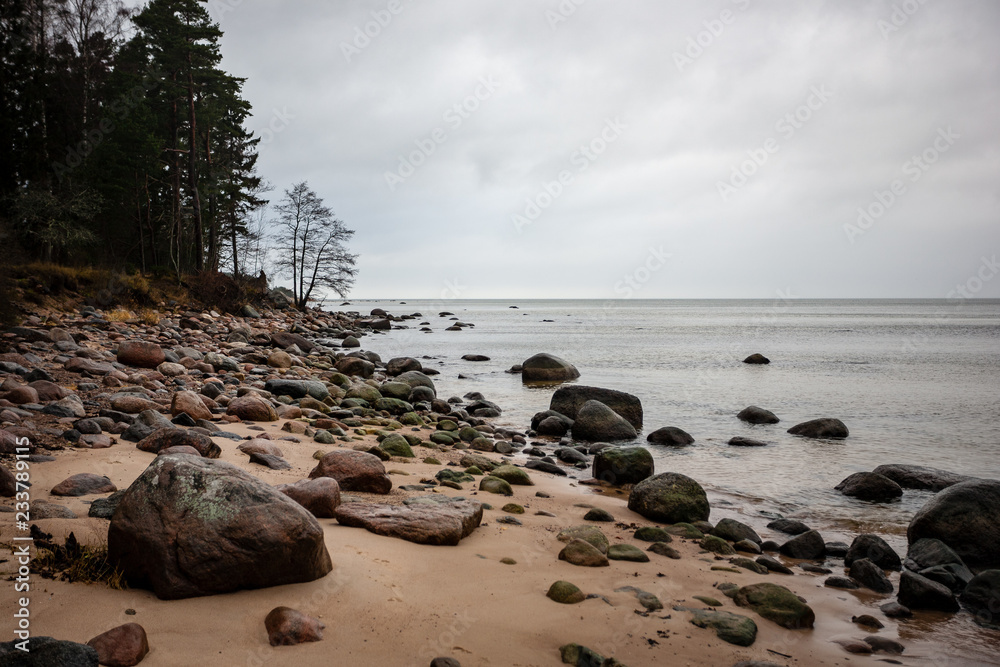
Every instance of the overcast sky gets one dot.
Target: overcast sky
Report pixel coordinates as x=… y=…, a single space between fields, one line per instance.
x=590 y=149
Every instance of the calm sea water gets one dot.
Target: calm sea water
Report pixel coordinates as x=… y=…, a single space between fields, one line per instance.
x=915 y=381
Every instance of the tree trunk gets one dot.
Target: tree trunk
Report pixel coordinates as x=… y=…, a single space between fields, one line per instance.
x=199 y=240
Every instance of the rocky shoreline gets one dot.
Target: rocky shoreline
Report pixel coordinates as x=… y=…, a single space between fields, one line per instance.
x=209 y=453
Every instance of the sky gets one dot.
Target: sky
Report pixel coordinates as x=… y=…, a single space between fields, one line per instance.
x=643 y=149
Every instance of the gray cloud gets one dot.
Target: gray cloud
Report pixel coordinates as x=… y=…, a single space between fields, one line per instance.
x=697 y=91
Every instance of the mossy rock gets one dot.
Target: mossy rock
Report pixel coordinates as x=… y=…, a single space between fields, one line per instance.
x=468 y=434
x=664 y=549
x=430 y=460
x=396 y=445
x=597 y=514
x=564 y=592
x=495 y=485
x=411 y=439
x=590 y=534
x=324 y=438
x=627 y=552
x=776 y=603
x=653 y=534
x=669 y=498
x=513 y=508
x=411 y=419
x=450 y=475
x=717 y=545
x=748 y=564
x=442 y=438
x=447 y=425
x=711 y=602
x=512 y=475
x=581 y=656
x=729 y=627
x=473 y=470
x=508 y=561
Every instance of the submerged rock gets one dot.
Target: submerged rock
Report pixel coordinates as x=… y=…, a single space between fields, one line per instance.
x=755 y=415
x=826 y=427
x=544 y=367
x=569 y=399
x=870 y=486
x=920 y=477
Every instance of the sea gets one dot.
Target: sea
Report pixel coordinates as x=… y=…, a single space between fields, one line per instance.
x=915 y=381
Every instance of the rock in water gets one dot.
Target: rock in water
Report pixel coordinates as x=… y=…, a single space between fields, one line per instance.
x=875 y=549
x=670 y=498
x=920 y=477
x=123 y=646
x=754 y=415
x=918 y=592
x=48 y=652
x=354 y=471
x=756 y=358
x=870 y=575
x=544 y=367
x=596 y=421
x=286 y=627
x=443 y=521
x=623 y=465
x=966 y=517
x=776 y=603
x=807 y=546
x=827 y=427
x=982 y=598
x=670 y=436
x=193 y=526
x=140 y=353
x=569 y=399
x=870 y=486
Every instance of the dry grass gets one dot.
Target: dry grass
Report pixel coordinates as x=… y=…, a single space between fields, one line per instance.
x=120 y=315
x=75 y=563
x=149 y=317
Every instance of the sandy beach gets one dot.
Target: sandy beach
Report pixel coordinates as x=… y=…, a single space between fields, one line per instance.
x=392 y=602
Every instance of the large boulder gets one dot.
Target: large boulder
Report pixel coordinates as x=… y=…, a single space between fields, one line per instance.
x=670 y=498
x=544 y=367
x=177 y=437
x=140 y=353
x=193 y=526
x=596 y=421
x=354 y=471
x=870 y=486
x=623 y=465
x=437 y=521
x=755 y=415
x=807 y=546
x=569 y=399
x=400 y=365
x=826 y=427
x=920 y=477
x=966 y=517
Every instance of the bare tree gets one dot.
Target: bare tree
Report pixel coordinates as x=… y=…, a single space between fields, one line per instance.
x=312 y=245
